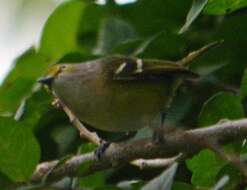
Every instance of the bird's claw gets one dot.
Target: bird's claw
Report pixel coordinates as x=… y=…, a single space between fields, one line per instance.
x=158 y=137
x=56 y=103
x=101 y=149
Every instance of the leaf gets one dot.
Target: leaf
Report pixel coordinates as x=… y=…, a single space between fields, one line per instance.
x=243 y=86
x=166 y=45
x=204 y=167
x=195 y=10
x=37 y=105
x=128 y=47
x=182 y=186
x=112 y=33
x=221 y=106
x=151 y=17
x=243 y=91
x=234 y=176
x=221 y=183
x=19 y=149
x=64 y=137
x=135 y=47
x=178 y=109
x=141 y=48
x=130 y=184
x=5 y=182
x=21 y=80
x=108 y=188
x=60 y=32
x=145 y=132
x=96 y=180
x=164 y=181
x=221 y=7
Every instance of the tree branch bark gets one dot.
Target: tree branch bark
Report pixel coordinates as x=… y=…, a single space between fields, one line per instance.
x=188 y=142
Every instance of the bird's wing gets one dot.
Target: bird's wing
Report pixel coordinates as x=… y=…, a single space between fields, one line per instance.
x=134 y=69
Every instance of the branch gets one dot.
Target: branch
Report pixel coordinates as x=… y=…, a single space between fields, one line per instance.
x=187 y=142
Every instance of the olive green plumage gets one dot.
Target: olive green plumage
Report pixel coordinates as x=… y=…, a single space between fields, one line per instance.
x=119 y=93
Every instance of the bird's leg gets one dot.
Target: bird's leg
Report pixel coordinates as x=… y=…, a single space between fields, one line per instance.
x=84 y=133
x=158 y=136
x=105 y=144
x=91 y=136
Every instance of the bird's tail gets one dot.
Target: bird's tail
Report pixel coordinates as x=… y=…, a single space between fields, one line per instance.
x=197 y=53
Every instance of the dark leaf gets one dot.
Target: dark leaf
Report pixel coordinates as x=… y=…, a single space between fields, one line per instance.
x=164 y=181
x=195 y=10
x=112 y=33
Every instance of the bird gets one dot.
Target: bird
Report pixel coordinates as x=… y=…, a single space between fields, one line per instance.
x=120 y=93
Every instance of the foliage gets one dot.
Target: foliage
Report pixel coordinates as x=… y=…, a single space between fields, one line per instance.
x=31 y=130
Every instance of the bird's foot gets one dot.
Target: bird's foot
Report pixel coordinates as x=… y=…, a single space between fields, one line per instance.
x=99 y=152
x=56 y=103
x=157 y=138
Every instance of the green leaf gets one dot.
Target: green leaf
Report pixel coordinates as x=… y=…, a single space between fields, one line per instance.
x=243 y=86
x=60 y=32
x=243 y=91
x=151 y=17
x=5 y=182
x=221 y=106
x=222 y=182
x=182 y=186
x=95 y=180
x=64 y=137
x=21 y=80
x=220 y=7
x=130 y=184
x=204 y=167
x=195 y=10
x=164 y=181
x=167 y=45
x=112 y=33
x=37 y=105
x=108 y=188
x=141 y=48
x=34 y=107
x=234 y=176
x=127 y=48
x=19 y=149
x=178 y=109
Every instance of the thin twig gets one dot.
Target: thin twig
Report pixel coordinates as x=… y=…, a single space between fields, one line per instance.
x=156 y=163
x=84 y=133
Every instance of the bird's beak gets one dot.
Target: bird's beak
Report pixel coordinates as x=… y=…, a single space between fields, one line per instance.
x=46 y=80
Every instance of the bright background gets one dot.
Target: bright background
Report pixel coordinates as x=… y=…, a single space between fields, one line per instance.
x=21 y=23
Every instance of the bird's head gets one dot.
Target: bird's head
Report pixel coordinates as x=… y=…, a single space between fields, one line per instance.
x=54 y=71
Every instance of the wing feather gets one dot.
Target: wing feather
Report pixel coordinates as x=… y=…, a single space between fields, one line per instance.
x=134 y=69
